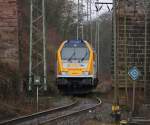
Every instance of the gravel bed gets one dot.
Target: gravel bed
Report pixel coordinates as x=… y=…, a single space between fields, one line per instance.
x=7 y=113
x=83 y=103
x=60 y=100
x=100 y=114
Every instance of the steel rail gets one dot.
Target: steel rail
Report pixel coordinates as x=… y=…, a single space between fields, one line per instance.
x=72 y=113
x=37 y=115
x=139 y=120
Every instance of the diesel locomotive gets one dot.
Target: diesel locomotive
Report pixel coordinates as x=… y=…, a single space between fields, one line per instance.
x=76 y=67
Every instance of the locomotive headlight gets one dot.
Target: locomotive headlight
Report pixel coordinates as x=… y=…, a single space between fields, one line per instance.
x=85 y=73
x=64 y=73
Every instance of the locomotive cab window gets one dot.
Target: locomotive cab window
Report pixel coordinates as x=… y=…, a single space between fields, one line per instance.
x=75 y=52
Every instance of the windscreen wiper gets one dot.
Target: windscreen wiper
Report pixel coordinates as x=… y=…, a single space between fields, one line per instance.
x=83 y=58
x=71 y=56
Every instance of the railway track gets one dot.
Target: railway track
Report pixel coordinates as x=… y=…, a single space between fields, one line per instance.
x=52 y=115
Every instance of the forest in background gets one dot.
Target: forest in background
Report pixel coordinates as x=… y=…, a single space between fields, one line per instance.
x=61 y=23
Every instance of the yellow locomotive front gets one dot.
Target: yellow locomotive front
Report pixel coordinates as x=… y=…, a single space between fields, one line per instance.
x=76 y=67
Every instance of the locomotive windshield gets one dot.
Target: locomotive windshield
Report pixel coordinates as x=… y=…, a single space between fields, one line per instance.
x=75 y=53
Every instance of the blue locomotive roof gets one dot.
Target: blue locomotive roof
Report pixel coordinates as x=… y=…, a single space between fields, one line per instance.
x=75 y=43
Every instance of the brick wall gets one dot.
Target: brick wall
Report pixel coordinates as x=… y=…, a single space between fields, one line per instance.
x=9 y=32
x=23 y=35
x=147 y=86
x=131 y=41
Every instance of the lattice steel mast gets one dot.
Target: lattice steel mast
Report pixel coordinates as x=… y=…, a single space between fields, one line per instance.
x=78 y=21
x=115 y=52
x=37 y=55
x=91 y=39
